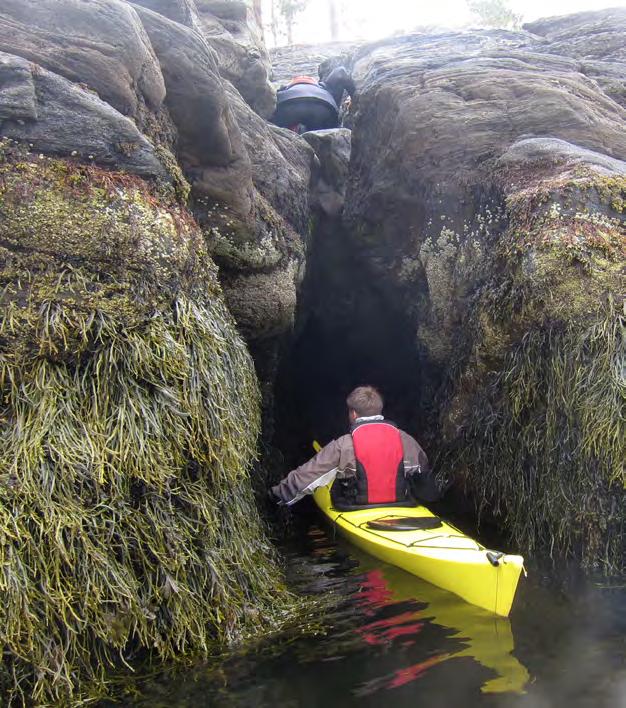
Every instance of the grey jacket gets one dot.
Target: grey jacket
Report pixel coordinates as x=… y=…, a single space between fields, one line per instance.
x=337 y=460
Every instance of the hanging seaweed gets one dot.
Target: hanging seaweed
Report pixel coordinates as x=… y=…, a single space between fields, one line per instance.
x=128 y=423
x=545 y=450
x=540 y=401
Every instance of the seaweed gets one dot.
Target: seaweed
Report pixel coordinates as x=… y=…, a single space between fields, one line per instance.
x=532 y=406
x=129 y=416
x=543 y=451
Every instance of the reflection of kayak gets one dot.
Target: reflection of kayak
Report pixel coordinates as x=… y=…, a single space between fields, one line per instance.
x=487 y=639
x=441 y=554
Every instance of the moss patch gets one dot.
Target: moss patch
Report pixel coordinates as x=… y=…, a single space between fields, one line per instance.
x=259 y=243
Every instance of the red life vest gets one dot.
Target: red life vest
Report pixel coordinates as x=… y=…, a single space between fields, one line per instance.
x=380 y=477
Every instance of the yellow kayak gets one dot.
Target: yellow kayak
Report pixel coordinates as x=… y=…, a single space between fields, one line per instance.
x=441 y=554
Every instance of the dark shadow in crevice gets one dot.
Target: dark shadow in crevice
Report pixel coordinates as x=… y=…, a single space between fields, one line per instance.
x=348 y=333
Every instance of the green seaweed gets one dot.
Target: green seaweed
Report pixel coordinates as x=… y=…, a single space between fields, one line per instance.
x=128 y=423
x=533 y=408
x=545 y=448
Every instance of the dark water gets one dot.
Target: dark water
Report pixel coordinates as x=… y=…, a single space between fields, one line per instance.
x=393 y=640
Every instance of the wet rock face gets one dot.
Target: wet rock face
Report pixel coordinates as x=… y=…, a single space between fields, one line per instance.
x=230 y=28
x=434 y=116
x=207 y=132
x=120 y=66
x=182 y=11
x=585 y=35
x=332 y=148
x=53 y=115
x=260 y=250
x=595 y=40
x=486 y=194
x=181 y=92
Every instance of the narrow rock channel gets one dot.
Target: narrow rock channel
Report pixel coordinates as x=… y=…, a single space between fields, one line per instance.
x=186 y=288
x=474 y=271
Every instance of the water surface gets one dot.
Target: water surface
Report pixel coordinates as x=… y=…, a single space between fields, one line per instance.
x=394 y=640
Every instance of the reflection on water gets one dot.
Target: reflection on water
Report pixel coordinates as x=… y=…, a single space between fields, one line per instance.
x=393 y=638
x=487 y=638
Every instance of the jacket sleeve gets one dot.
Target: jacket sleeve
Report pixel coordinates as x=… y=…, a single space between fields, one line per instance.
x=317 y=472
x=339 y=80
x=415 y=459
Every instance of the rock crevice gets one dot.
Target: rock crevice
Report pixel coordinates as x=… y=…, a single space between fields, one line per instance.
x=462 y=247
x=484 y=206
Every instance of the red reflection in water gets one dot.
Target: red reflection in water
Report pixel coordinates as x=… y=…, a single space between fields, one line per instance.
x=404 y=676
x=400 y=677
x=374 y=594
x=386 y=630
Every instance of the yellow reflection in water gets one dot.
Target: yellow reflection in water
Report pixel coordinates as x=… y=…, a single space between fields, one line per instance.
x=488 y=638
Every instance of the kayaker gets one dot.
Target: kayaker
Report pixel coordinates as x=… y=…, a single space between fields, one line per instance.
x=375 y=464
x=308 y=104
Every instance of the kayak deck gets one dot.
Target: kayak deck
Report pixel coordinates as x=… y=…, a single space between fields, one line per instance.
x=444 y=556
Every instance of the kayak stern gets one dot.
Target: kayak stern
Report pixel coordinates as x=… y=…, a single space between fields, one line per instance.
x=444 y=556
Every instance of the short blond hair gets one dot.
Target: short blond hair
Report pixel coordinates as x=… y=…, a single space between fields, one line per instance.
x=365 y=401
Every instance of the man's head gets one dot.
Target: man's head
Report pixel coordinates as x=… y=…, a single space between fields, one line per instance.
x=364 y=401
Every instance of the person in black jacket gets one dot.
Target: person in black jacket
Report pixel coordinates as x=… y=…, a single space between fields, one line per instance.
x=307 y=104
